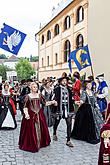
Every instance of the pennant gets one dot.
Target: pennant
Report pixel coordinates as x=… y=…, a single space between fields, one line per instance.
x=11 y=39
x=81 y=57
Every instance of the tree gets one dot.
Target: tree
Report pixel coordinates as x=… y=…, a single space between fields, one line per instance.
x=3 y=56
x=24 y=69
x=34 y=58
x=3 y=70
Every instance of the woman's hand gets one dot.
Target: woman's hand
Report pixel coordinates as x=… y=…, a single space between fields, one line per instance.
x=51 y=103
x=78 y=103
x=27 y=116
x=26 y=113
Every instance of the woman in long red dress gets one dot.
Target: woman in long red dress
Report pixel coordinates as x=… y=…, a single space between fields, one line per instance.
x=34 y=132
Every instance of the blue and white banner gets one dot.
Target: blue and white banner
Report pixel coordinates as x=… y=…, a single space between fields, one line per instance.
x=11 y=39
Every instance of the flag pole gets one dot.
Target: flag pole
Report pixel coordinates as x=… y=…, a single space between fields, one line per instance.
x=91 y=67
x=92 y=71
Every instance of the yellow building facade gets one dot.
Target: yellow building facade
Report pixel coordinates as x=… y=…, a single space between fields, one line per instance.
x=65 y=32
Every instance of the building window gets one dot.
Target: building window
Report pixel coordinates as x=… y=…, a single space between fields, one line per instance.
x=42 y=62
x=56 y=30
x=56 y=58
x=42 y=39
x=79 y=41
x=47 y=60
x=80 y=14
x=48 y=35
x=67 y=23
x=67 y=50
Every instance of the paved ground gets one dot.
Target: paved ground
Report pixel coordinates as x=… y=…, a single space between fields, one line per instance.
x=55 y=154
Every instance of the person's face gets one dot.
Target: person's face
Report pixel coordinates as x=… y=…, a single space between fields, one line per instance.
x=64 y=82
x=34 y=88
x=48 y=85
x=28 y=83
x=97 y=80
x=6 y=87
x=89 y=86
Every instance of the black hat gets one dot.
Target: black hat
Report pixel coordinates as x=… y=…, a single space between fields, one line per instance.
x=29 y=80
x=91 y=78
x=61 y=78
x=87 y=81
x=23 y=81
x=46 y=81
x=100 y=76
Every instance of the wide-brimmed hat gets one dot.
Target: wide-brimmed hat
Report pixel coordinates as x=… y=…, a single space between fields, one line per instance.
x=87 y=81
x=100 y=76
x=46 y=81
x=91 y=78
x=61 y=78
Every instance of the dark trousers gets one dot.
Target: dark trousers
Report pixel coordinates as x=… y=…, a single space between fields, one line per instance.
x=21 y=105
x=68 y=124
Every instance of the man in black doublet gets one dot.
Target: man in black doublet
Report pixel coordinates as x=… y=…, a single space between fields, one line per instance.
x=64 y=108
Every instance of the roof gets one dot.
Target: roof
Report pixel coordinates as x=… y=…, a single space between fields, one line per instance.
x=13 y=57
x=61 y=7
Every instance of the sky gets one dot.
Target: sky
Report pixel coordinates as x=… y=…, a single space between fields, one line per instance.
x=26 y=16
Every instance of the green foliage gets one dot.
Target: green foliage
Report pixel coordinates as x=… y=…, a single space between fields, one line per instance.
x=3 y=56
x=24 y=69
x=3 y=70
x=34 y=58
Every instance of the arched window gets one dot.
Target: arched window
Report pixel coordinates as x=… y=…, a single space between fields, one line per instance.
x=56 y=30
x=48 y=35
x=67 y=23
x=47 y=60
x=56 y=58
x=80 y=14
x=79 y=41
x=67 y=50
x=42 y=39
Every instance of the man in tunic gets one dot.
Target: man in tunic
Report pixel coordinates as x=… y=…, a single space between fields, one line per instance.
x=64 y=108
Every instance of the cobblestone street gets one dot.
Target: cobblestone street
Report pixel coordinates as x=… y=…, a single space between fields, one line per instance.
x=56 y=154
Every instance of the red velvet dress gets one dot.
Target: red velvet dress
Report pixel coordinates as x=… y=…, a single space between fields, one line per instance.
x=104 y=153
x=34 y=132
x=76 y=90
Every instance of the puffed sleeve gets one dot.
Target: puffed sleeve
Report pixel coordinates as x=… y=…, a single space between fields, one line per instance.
x=26 y=99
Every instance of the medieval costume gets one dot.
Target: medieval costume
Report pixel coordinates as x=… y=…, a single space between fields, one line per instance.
x=64 y=108
x=7 y=111
x=24 y=90
x=104 y=152
x=102 y=93
x=76 y=86
x=15 y=94
x=47 y=93
x=91 y=78
x=76 y=90
x=88 y=119
x=34 y=132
